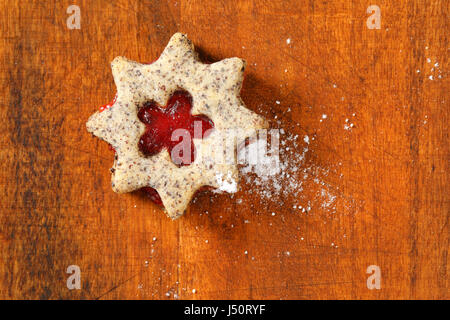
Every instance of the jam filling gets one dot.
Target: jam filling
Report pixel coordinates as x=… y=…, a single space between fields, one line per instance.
x=153 y=195
x=160 y=124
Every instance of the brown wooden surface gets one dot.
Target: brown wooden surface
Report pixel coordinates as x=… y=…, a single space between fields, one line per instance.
x=389 y=172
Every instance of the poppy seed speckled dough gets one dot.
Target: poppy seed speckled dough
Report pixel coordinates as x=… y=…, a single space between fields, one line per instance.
x=215 y=93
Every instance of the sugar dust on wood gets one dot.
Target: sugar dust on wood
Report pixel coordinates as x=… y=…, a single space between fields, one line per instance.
x=288 y=175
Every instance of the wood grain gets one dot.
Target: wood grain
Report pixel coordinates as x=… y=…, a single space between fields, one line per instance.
x=388 y=173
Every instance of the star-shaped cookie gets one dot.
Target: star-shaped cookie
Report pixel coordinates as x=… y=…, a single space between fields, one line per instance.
x=215 y=93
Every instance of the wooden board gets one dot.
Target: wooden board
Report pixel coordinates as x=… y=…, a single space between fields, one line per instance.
x=373 y=102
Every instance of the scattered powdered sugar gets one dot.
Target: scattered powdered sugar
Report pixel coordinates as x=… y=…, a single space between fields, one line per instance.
x=435 y=71
x=258 y=161
x=275 y=174
x=287 y=175
x=306 y=139
x=228 y=184
x=329 y=198
x=348 y=125
x=269 y=174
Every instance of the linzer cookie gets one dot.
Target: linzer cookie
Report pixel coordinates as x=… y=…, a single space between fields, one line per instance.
x=171 y=123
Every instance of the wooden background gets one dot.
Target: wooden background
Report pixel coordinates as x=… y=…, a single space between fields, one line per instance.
x=388 y=174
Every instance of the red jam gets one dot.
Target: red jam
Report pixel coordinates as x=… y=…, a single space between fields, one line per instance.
x=160 y=123
x=153 y=195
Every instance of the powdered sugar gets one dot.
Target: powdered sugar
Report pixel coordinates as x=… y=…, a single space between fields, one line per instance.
x=228 y=184
x=288 y=175
x=271 y=175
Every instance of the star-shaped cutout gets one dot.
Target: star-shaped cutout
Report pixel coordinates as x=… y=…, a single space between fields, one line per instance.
x=215 y=92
